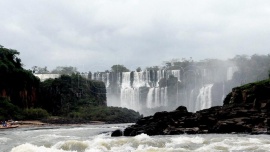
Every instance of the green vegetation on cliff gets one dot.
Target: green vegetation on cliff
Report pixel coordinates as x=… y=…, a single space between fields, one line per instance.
x=256 y=93
x=16 y=84
x=72 y=97
x=67 y=93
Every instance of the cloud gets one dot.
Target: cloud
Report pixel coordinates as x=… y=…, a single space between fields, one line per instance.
x=94 y=35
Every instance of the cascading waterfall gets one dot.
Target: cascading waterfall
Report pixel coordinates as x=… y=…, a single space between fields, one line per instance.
x=204 y=99
x=107 y=79
x=157 y=97
x=149 y=89
x=160 y=75
x=191 y=101
x=223 y=91
x=164 y=97
x=130 y=95
x=104 y=77
x=177 y=74
x=149 y=99
x=139 y=79
x=230 y=72
x=125 y=80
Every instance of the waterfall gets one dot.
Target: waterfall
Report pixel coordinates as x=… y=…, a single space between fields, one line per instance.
x=44 y=77
x=125 y=80
x=139 y=80
x=157 y=100
x=146 y=76
x=204 y=99
x=130 y=98
x=149 y=99
x=158 y=75
x=140 y=90
x=164 y=96
x=107 y=79
x=157 y=97
x=191 y=105
x=223 y=91
x=176 y=73
x=230 y=72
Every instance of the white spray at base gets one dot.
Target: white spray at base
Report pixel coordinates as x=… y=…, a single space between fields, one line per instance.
x=145 y=143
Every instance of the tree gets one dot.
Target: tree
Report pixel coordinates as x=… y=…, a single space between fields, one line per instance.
x=119 y=68
x=40 y=70
x=17 y=84
x=139 y=69
x=64 y=70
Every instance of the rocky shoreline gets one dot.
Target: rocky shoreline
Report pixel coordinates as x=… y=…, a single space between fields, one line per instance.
x=236 y=118
x=38 y=123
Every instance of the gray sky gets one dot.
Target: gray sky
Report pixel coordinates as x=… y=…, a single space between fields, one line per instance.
x=96 y=34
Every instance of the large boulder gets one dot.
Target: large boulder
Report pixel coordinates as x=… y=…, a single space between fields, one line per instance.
x=117 y=133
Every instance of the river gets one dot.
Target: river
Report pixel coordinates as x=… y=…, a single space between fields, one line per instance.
x=96 y=138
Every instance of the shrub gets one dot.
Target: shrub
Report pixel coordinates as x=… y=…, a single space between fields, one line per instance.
x=36 y=113
x=8 y=110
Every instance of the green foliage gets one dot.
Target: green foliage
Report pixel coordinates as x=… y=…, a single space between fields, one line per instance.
x=35 y=113
x=40 y=70
x=106 y=114
x=177 y=63
x=154 y=68
x=119 y=68
x=17 y=83
x=139 y=69
x=62 y=95
x=257 y=90
x=8 y=110
x=65 y=70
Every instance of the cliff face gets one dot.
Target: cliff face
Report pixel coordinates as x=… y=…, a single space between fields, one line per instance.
x=256 y=93
x=16 y=84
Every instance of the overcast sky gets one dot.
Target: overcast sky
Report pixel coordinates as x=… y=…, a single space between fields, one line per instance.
x=93 y=35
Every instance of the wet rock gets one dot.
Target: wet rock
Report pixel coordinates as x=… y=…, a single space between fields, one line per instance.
x=228 y=119
x=117 y=133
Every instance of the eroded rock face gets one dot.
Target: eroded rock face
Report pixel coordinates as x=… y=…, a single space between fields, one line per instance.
x=241 y=118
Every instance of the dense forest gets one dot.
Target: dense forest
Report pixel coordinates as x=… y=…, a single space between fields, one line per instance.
x=71 y=96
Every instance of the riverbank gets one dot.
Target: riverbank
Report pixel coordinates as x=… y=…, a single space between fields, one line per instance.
x=38 y=123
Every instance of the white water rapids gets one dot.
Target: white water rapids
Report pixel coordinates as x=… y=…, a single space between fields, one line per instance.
x=96 y=138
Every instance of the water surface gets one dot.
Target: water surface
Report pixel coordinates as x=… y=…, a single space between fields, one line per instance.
x=96 y=138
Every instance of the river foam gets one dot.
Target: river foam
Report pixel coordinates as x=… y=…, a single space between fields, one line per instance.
x=145 y=143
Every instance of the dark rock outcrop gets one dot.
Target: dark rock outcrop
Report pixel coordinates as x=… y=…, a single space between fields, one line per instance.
x=240 y=118
x=117 y=133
